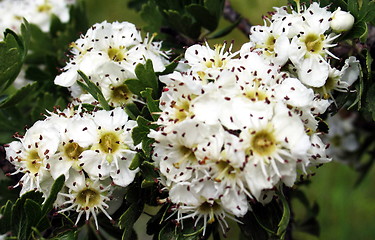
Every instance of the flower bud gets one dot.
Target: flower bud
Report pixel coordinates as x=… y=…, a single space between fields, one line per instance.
x=341 y=21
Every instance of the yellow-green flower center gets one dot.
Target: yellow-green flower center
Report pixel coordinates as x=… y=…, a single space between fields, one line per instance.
x=109 y=142
x=327 y=88
x=314 y=42
x=182 y=109
x=225 y=170
x=269 y=45
x=217 y=61
x=121 y=94
x=33 y=161
x=88 y=197
x=46 y=7
x=73 y=150
x=188 y=155
x=263 y=143
x=209 y=209
x=117 y=54
x=255 y=93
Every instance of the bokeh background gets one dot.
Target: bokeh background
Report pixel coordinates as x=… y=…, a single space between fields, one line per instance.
x=346 y=211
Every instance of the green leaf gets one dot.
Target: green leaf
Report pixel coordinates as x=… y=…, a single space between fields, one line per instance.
x=5 y=220
x=132 y=110
x=353 y=7
x=215 y=7
x=136 y=162
x=26 y=36
x=203 y=16
x=69 y=235
x=147 y=146
x=135 y=86
x=170 y=67
x=150 y=13
x=42 y=43
x=19 y=223
x=284 y=222
x=146 y=75
x=359 y=30
x=183 y=23
x=142 y=130
x=12 y=51
x=93 y=90
x=367 y=11
x=33 y=212
x=189 y=232
x=129 y=217
x=152 y=105
x=18 y=96
x=56 y=188
x=149 y=174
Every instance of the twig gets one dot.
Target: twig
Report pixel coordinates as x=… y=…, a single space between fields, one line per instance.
x=232 y=16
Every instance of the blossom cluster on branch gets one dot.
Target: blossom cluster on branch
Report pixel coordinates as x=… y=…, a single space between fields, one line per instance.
x=222 y=130
x=92 y=149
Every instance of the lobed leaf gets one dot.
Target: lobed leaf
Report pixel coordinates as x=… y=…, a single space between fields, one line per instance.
x=149 y=174
x=18 y=96
x=129 y=217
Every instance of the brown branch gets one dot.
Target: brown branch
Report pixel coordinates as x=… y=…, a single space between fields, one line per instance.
x=232 y=16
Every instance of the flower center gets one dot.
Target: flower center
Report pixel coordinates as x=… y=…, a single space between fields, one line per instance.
x=207 y=207
x=109 y=142
x=182 y=109
x=314 y=42
x=225 y=171
x=210 y=209
x=188 y=156
x=270 y=45
x=256 y=95
x=217 y=61
x=117 y=54
x=73 y=150
x=33 y=161
x=263 y=143
x=121 y=94
x=46 y=7
x=327 y=87
x=88 y=197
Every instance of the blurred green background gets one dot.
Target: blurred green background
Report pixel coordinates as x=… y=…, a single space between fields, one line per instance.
x=346 y=211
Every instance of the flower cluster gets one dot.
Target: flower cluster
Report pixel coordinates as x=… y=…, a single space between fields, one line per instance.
x=38 y=12
x=234 y=128
x=300 y=41
x=92 y=149
x=108 y=54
